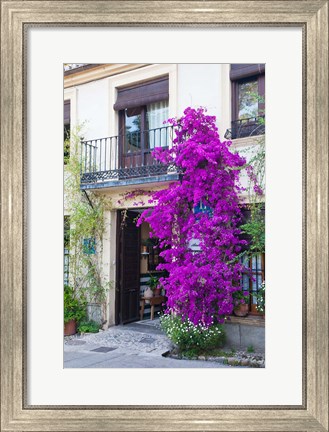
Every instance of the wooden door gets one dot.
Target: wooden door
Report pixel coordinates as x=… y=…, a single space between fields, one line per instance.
x=129 y=269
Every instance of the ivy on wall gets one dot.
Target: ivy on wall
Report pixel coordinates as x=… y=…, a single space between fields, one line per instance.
x=86 y=228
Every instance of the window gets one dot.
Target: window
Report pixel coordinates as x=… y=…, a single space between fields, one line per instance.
x=66 y=249
x=248 y=100
x=89 y=246
x=67 y=130
x=143 y=108
x=252 y=279
x=153 y=258
x=143 y=126
x=254 y=274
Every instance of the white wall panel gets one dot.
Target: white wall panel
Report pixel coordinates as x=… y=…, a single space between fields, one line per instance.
x=93 y=108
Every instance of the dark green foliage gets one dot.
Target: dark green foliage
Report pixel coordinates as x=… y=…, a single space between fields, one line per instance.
x=191 y=339
x=74 y=305
x=255 y=228
x=261 y=299
x=88 y=327
x=153 y=282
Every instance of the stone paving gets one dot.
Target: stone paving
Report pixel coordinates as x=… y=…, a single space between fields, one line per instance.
x=142 y=345
x=144 y=338
x=136 y=345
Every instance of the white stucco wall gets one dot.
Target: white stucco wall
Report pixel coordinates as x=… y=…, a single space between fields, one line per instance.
x=247 y=148
x=193 y=85
x=93 y=106
x=205 y=85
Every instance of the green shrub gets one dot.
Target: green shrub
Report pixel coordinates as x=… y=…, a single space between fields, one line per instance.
x=88 y=327
x=261 y=299
x=192 y=339
x=74 y=305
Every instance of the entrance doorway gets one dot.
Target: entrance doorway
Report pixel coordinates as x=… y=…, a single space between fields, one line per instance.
x=138 y=256
x=128 y=269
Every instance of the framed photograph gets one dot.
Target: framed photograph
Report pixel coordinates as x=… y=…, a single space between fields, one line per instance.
x=38 y=38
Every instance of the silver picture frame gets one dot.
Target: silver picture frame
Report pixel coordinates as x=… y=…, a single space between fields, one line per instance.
x=309 y=15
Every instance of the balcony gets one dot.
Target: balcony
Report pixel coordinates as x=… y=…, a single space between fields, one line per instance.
x=244 y=128
x=125 y=157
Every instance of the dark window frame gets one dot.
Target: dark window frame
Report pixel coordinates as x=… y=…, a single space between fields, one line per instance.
x=66 y=238
x=135 y=147
x=252 y=274
x=143 y=127
x=246 y=214
x=235 y=94
x=67 y=130
x=243 y=73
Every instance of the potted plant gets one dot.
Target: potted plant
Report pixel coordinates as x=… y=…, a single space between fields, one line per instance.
x=241 y=303
x=261 y=299
x=153 y=283
x=74 y=310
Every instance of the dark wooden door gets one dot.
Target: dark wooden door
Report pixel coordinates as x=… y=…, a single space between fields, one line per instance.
x=129 y=269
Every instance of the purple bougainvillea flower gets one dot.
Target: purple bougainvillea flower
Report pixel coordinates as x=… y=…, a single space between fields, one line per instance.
x=202 y=278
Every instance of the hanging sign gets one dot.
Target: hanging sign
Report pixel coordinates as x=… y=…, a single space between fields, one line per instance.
x=201 y=208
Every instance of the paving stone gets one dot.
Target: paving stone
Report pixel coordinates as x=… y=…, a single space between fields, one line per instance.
x=76 y=342
x=147 y=340
x=103 y=349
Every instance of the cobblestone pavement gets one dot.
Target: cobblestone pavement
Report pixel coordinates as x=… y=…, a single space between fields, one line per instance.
x=136 y=345
x=144 y=338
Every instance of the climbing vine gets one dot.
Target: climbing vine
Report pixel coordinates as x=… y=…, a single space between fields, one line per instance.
x=255 y=168
x=255 y=226
x=86 y=228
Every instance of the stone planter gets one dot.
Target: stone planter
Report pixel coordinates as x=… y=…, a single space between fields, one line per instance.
x=94 y=312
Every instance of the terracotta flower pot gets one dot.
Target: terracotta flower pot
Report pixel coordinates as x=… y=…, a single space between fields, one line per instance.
x=70 y=328
x=241 y=310
x=157 y=291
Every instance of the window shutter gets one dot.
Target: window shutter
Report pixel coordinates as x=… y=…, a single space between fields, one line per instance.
x=143 y=94
x=239 y=71
x=67 y=112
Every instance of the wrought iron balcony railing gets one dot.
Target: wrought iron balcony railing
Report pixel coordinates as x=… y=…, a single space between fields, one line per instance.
x=124 y=156
x=246 y=127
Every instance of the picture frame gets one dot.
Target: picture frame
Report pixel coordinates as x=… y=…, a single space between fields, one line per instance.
x=312 y=17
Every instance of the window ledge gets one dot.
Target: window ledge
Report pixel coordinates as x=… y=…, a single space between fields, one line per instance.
x=251 y=320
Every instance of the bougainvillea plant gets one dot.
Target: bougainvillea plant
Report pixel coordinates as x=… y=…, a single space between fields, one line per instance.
x=201 y=282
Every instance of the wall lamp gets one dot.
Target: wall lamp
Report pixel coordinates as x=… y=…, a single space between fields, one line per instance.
x=144 y=252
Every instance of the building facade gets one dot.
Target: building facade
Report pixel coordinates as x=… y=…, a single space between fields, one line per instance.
x=122 y=108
